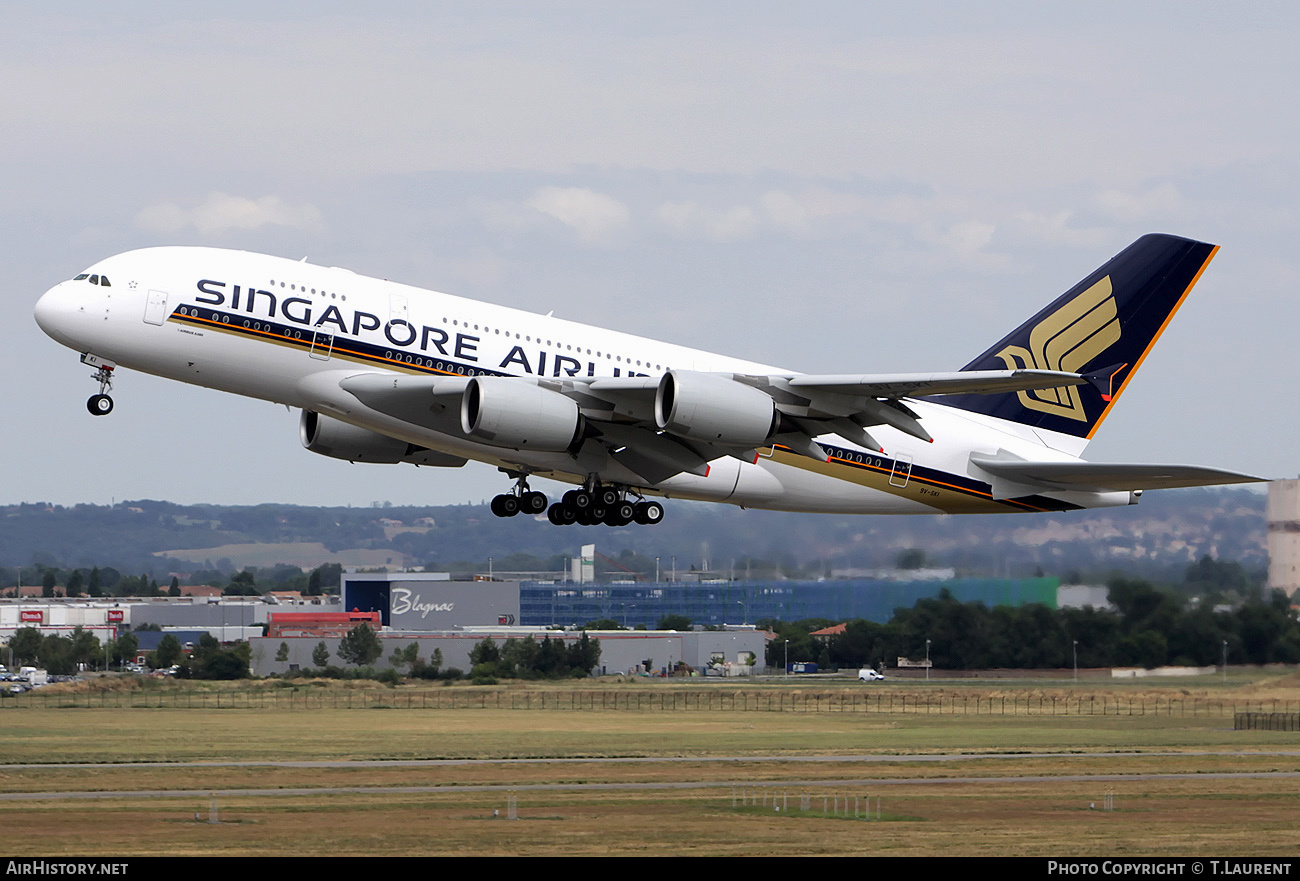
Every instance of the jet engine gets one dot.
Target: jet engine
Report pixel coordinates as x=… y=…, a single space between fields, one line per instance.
x=509 y=412
x=714 y=409
x=341 y=440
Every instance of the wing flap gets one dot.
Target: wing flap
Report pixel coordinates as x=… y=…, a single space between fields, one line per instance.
x=904 y=385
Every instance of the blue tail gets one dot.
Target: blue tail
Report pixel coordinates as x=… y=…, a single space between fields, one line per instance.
x=1103 y=327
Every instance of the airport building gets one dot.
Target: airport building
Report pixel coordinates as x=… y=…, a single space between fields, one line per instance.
x=730 y=652
x=728 y=602
x=452 y=616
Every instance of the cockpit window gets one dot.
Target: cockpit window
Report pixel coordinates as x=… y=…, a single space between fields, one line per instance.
x=82 y=277
x=94 y=279
x=103 y=281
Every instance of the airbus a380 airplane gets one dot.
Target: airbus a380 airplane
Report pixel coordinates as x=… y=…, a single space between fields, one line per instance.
x=388 y=373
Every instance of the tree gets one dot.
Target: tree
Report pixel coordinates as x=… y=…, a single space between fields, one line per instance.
x=282 y=654
x=175 y=589
x=407 y=657
x=56 y=655
x=125 y=648
x=320 y=656
x=361 y=646
x=242 y=585
x=583 y=654
x=169 y=651
x=674 y=622
x=25 y=644
x=211 y=661
x=85 y=647
x=484 y=652
x=47 y=583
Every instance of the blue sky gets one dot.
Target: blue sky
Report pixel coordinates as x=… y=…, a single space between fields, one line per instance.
x=835 y=188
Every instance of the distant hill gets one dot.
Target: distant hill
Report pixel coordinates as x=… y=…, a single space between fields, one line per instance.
x=1159 y=537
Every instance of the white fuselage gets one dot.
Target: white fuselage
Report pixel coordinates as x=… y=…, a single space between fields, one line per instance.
x=288 y=332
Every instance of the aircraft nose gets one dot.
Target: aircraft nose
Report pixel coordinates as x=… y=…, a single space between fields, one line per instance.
x=58 y=312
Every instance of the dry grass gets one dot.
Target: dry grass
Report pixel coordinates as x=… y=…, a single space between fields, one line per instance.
x=1161 y=818
x=1193 y=816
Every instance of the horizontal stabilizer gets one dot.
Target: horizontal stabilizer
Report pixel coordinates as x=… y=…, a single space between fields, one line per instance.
x=1101 y=476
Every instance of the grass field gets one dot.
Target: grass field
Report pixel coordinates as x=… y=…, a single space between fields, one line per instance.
x=647 y=782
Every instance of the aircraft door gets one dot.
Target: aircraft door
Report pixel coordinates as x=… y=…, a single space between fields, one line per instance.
x=155 y=308
x=902 y=470
x=322 y=344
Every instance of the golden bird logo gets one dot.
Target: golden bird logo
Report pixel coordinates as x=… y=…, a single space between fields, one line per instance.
x=1067 y=340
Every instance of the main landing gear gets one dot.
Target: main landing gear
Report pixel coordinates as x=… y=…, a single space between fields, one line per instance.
x=101 y=404
x=519 y=500
x=592 y=504
x=603 y=504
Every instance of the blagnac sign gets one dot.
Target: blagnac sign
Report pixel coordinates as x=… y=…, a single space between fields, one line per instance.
x=404 y=600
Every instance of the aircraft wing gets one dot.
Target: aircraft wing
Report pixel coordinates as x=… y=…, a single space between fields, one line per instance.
x=678 y=422
x=908 y=385
x=1012 y=474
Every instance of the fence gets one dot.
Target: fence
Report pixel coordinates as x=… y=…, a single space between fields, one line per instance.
x=659 y=700
x=1266 y=721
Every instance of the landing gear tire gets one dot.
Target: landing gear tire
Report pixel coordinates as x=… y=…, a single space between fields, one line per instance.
x=532 y=503
x=505 y=505
x=561 y=514
x=649 y=513
x=620 y=514
x=99 y=405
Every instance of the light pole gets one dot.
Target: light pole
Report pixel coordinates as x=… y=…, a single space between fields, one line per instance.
x=787 y=656
x=927 y=660
x=656 y=570
x=1225 y=662
x=1076 y=661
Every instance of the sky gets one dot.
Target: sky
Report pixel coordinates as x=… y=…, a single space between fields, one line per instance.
x=832 y=187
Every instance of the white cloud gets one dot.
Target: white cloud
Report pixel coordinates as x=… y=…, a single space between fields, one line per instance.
x=1055 y=229
x=1156 y=201
x=691 y=219
x=595 y=217
x=222 y=213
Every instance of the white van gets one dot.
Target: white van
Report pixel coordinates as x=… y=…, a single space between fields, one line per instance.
x=866 y=674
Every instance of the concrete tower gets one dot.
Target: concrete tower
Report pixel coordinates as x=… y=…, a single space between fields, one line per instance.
x=1283 y=513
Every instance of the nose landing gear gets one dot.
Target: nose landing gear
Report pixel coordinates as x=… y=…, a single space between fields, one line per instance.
x=100 y=404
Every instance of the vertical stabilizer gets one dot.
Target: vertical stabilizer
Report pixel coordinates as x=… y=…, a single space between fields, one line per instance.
x=1103 y=328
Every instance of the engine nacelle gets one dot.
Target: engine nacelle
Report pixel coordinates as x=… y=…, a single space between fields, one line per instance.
x=515 y=413
x=714 y=409
x=341 y=440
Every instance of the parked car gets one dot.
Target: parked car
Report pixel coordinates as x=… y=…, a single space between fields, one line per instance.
x=866 y=674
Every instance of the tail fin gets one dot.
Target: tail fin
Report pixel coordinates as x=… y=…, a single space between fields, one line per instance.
x=1103 y=327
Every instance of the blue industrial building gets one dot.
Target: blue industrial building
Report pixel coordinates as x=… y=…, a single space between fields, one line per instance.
x=544 y=604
